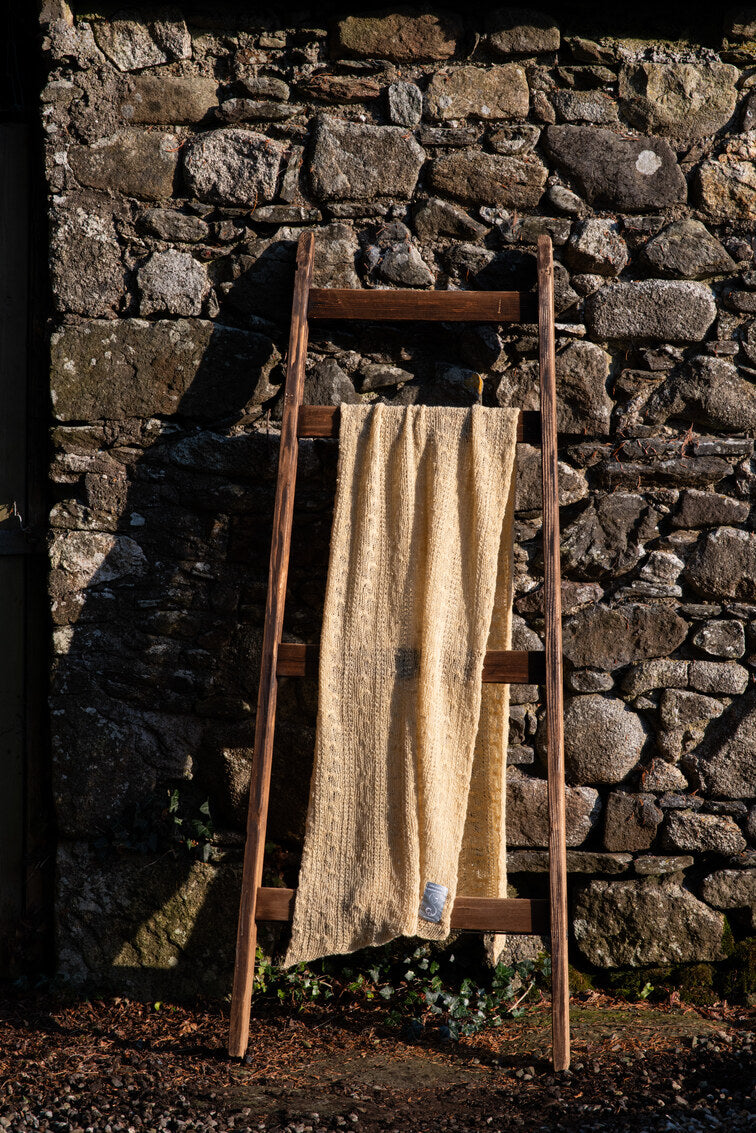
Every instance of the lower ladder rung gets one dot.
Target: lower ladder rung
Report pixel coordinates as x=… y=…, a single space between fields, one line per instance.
x=517 y=916
x=500 y=666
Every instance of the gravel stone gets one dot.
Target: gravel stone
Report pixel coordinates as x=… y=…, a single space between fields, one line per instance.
x=723 y=565
x=708 y=391
x=692 y=831
x=527 y=813
x=718 y=679
x=583 y=404
x=725 y=190
x=603 y=740
x=596 y=247
x=172 y=283
x=405 y=104
x=688 y=250
x=724 y=764
x=630 y=821
x=232 y=167
x=131 y=368
x=355 y=162
x=663 y=776
x=132 y=44
x=721 y=639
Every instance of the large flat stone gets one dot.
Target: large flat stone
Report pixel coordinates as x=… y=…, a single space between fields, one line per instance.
x=400 y=36
x=632 y=923
x=170 y=99
x=148 y=926
x=679 y=100
x=723 y=565
x=477 y=92
x=527 y=813
x=138 y=163
x=354 y=162
x=603 y=638
x=602 y=740
x=630 y=174
x=484 y=178
x=706 y=833
x=659 y=309
x=232 y=167
x=133 y=368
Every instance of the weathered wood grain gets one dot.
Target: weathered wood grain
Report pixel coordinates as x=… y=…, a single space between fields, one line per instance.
x=259 y=790
x=553 y=643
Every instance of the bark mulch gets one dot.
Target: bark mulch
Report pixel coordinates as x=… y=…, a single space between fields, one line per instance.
x=115 y=1064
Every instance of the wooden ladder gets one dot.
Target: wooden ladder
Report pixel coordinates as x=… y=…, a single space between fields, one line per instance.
x=482 y=914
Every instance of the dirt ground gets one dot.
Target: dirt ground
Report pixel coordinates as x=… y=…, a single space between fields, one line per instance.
x=114 y=1064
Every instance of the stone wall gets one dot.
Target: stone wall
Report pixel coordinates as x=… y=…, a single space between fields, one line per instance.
x=184 y=155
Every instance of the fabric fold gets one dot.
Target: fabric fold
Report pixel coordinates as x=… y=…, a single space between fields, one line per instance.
x=407 y=798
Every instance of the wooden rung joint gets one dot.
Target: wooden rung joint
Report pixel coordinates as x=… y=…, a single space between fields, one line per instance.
x=323 y=421
x=500 y=666
x=518 y=916
x=397 y=305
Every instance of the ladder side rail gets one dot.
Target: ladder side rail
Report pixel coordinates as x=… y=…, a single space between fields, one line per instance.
x=259 y=790
x=560 y=1018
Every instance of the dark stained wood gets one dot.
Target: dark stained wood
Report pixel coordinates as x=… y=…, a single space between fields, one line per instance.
x=259 y=790
x=419 y=306
x=473 y=914
x=323 y=421
x=500 y=666
x=560 y=1018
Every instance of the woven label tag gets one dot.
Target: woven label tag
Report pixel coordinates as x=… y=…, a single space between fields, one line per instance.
x=433 y=901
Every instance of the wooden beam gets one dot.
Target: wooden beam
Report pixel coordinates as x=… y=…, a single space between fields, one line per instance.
x=323 y=421
x=473 y=914
x=500 y=666
x=259 y=790
x=560 y=998
x=418 y=306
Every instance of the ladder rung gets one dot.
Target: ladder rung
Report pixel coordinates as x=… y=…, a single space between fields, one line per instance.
x=439 y=306
x=500 y=666
x=476 y=914
x=323 y=421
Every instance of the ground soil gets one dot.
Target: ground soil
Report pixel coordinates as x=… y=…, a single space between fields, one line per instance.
x=114 y=1064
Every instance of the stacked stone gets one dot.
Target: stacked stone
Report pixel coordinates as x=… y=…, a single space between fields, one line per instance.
x=427 y=151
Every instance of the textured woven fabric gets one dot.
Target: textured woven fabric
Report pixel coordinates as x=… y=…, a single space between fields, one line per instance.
x=408 y=784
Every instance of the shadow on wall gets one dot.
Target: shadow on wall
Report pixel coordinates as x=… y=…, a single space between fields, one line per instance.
x=160 y=559
x=158 y=585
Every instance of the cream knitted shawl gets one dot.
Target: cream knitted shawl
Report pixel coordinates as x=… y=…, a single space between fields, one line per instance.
x=408 y=784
